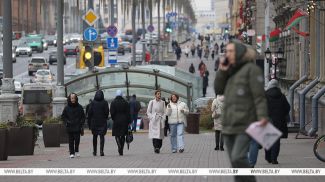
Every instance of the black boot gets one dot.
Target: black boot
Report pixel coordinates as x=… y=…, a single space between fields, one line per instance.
x=118 y=142
x=94 y=145
x=102 y=142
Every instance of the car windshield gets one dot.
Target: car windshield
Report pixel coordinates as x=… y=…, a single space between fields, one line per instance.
x=31 y=40
x=38 y=61
x=43 y=73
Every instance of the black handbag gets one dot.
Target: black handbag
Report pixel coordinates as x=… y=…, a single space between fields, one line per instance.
x=129 y=138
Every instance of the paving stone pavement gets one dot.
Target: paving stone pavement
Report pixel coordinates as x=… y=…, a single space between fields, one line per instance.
x=199 y=153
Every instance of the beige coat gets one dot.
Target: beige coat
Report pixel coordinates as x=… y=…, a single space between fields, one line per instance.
x=217 y=109
x=156 y=114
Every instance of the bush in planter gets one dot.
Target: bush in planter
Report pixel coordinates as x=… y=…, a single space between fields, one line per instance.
x=3 y=141
x=206 y=121
x=64 y=137
x=23 y=135
x=51 y=132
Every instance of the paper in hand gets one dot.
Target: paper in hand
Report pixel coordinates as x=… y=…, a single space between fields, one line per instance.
x=264 y=135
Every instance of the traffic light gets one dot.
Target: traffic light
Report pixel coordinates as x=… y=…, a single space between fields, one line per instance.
x=91 y=56
x=88 y=55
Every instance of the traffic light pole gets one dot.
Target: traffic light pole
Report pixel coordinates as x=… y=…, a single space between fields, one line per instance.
x=7 y=39
x=60 y=67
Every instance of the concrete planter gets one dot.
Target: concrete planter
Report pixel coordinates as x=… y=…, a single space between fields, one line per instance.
x=64 y=137
x=21 y=141
x=51 y=134
x=3 y=144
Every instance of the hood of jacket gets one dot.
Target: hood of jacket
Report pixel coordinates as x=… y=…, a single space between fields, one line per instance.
x=69 y=100
x=99 y=96
x=243 y=54
x=274 y=93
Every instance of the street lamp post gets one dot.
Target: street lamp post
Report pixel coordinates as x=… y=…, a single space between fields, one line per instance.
x=8 y=100
x=279 y=55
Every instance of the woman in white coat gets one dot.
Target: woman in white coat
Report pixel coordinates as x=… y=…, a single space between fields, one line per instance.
x=156 y=114
x=176 y=112
x=217 y=108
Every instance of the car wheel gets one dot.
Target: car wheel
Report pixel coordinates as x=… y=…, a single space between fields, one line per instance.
x=30 y=55
x=17 y=55
x=30 y=73
x=50 y=63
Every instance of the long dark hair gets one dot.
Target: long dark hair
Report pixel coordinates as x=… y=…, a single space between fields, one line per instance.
x=171 y=98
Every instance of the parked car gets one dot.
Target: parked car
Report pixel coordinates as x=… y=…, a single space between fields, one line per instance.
x=75 y=38
x=71 y=50
x=43 y=76
x=24 y=49
x=127 y=46
x=121 y=49
x=37 y=63
x=53 y=58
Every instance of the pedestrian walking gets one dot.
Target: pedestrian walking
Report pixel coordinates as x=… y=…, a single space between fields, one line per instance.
x=187 y=51
x=178 y=52
x=156 y=114
x=278 y=109
x=87 y=112
x=205 y=82
x=176 y=112
x=216 y=48
x=217 y=110
x=199 y=51
x=120 y=113
x=202 y=68
x=242 y=84
x=166 y=129
x=73 y=117
x=193 y=49
x=216 y=64
x=222 y=47
x=207 y=52
x=135 y=107
x=191 y=69
x=212 y=54
x=98 y=116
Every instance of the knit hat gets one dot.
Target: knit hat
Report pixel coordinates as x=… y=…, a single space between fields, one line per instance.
x=272 y=84
x=119 y=93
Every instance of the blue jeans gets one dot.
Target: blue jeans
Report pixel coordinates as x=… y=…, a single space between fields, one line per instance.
x=253 y=152
x=134 y=118
x=177 y=136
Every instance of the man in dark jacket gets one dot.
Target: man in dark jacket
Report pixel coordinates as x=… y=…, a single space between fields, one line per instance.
x=191 y=69
x=98 y=115
x=242 y=84
x=120 y=112
x=205 y=82
x=178 y=52
x=135 y=107
x=73 y=117
x=278 y=108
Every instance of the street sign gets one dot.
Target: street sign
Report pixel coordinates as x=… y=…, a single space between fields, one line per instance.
x=90 y=34
x=112 y=43
x=151 y=28
x=112 y=56
x=90 y=17
x=112 y=30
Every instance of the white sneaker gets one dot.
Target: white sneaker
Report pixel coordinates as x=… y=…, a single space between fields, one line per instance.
x=77 y=154
x=71 y=156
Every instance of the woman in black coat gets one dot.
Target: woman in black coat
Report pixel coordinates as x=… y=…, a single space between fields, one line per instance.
x=98 y=115
x=73 y=117
x=120 y=112
x=278 y=108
